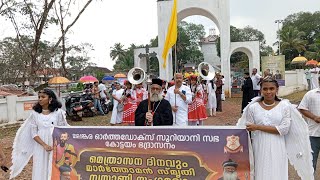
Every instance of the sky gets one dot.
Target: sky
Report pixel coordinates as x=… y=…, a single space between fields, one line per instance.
x=107 y=22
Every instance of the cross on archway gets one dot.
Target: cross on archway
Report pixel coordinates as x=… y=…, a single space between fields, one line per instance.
x=147 y=55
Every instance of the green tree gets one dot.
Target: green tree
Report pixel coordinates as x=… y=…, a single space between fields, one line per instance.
x=63 y=14
x=188 y=49
x=14 y=63
x=314 y=50
x=188 y=44
x=78 y=56
x=194 y=31
x=292 y=43
x=154 y=62
x=125 y=57
x=306 y=22
x=117 y=51
x=33 y=18
x=304 y=37
x=154 y=42
x=248 y=33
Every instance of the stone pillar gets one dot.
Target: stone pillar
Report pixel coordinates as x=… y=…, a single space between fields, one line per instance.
x=11 y=108
x=164 y=14
x=225 y=46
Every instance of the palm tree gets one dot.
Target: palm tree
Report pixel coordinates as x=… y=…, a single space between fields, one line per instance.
x=125 y=60
x=291 y=40
x=292 y=43
x=124 y=64
x=313 y=50
x=117 y=51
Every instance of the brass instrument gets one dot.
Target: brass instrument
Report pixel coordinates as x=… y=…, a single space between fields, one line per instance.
x=206 y=71
x=136 y=76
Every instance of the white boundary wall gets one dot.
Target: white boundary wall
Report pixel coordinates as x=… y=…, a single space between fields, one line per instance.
x=13 y=108
x=295 y=81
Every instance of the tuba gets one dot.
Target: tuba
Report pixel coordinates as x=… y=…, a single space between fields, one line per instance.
x=206 y=71
x=136 y=75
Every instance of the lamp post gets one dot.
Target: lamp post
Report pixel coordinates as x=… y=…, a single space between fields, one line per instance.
x=279 y=21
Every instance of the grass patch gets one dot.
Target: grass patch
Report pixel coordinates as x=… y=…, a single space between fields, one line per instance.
x=296 y=97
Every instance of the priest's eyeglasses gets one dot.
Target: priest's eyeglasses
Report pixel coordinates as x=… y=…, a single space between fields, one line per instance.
x=155 y=88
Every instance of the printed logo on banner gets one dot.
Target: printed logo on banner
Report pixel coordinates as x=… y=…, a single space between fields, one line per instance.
x=233 y=145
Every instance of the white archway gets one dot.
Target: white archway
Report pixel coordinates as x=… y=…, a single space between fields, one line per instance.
x=216 y=10
x=251 y=49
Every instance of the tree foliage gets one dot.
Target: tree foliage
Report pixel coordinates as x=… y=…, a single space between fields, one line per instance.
x=188 y=49
x=300 y=34
x=292 y=43
x=33 y=19
x=15 y=63
x=247 y=33
x=124 y=58
x=188 y=44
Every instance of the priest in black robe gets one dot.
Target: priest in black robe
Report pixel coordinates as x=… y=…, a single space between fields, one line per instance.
x=160 y=113
x=247 y=89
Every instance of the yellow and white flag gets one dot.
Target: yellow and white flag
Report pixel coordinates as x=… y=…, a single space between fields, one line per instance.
x=172 y=32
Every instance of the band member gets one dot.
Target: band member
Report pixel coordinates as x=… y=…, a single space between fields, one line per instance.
x=129 y=101
x=164 y=89
x=205 y=90
x=171 y=83
x=196 y=109
x=141 y=93
x=161 y=112
x=212 y=100
x=179 y=97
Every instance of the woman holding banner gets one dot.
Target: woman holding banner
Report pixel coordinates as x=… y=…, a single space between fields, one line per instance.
x=34 y=138
x=278 y=133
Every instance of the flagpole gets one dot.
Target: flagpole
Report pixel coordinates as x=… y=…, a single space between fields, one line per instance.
x=175 y=58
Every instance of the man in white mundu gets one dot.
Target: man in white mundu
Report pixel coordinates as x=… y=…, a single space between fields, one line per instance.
x=179 y=97
x=116 y=117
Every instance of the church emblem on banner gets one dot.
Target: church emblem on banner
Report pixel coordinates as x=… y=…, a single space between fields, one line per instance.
x=233 y=145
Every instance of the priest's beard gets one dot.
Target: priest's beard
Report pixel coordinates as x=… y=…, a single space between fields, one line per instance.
x=230 y=175
x=155 y=97
x=62 y=142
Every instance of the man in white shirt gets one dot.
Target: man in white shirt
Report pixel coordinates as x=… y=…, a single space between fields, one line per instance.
x=310 y=108
x=314 y=77
x=223 y=96
x=256 y=78
x=103 y=90
x=179 y=97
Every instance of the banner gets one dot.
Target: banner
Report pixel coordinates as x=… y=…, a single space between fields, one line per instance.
x=149 y=153
x=275 y=65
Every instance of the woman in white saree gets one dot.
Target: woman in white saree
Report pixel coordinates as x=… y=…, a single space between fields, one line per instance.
x=34 y=138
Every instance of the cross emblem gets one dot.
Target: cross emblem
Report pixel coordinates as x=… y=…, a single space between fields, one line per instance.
x=147 y=55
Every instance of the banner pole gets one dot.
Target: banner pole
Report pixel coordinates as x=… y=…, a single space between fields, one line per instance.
x=175 y=58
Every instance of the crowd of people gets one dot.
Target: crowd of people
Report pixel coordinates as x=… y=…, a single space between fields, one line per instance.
x=191 y=100
x=277 y=129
